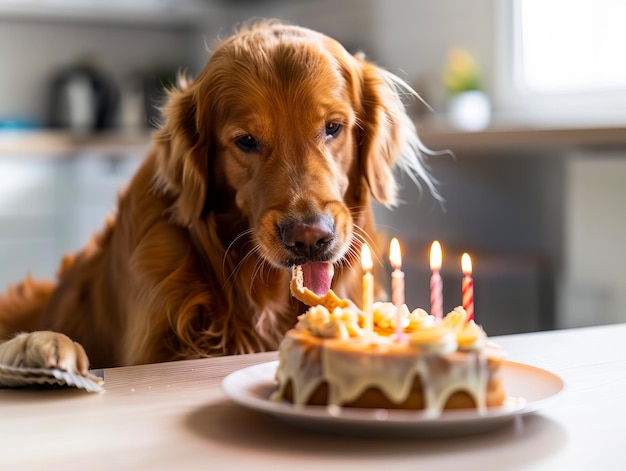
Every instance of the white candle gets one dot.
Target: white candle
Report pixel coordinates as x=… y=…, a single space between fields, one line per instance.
x=397 y=283
x=436 y=283
x=368 y=287
x=467 y=286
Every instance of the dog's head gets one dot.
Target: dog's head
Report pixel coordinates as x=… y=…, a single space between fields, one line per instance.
x=288 y=129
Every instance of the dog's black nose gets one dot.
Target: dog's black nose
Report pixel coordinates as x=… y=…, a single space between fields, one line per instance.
x=309 y=237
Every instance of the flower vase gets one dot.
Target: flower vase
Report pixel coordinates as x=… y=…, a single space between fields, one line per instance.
x=469 y=111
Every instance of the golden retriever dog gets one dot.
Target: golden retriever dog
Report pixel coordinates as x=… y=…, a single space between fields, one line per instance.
x=269 y=159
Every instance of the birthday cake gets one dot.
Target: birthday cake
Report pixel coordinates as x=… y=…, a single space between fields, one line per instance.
x=427 y=363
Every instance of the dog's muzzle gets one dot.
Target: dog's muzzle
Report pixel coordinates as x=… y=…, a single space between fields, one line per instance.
x=308 y=239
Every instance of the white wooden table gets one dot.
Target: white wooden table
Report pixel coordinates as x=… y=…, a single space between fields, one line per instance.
x=175 y=416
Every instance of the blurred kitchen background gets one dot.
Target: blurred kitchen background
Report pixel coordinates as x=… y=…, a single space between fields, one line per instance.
x=533 y=186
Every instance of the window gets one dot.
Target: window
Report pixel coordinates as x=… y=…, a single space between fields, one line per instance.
x=558 y=56
x=572 y=45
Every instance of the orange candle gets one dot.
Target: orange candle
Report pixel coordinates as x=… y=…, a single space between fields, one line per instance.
x=436 y=283
x=467 y=286
x=368 y=287
x=397 y=282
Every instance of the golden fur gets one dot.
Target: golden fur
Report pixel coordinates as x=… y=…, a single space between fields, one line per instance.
x=282 y=125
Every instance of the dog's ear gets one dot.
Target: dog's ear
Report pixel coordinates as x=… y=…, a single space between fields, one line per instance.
x=387 y=134
x=182 y=156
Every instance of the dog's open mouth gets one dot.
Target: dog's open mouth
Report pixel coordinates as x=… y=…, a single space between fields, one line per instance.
x=310 y=283
x=317 y=276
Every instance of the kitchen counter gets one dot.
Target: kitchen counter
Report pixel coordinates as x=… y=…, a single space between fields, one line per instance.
x=49 y=143
x=435 y=135
x=508 y=137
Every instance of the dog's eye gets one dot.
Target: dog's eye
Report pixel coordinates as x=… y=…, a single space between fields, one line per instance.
x=332 y=129
x=247 y=143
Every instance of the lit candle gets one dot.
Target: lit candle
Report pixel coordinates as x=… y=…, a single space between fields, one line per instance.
x=397 y=282
x=467 y=286
x=436 y=284
x=368 y=287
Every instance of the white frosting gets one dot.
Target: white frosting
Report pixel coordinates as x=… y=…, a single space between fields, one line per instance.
x=385 y=317
x=448 y=356
x=419 y=319
x=340 y=323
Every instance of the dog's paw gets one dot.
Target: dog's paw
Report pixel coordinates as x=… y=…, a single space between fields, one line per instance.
x=44 y=349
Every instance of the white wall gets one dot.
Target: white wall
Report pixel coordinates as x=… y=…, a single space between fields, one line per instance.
x=413 y=37
x=31 y=51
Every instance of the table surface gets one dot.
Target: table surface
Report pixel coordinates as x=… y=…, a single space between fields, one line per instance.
x=175 y=416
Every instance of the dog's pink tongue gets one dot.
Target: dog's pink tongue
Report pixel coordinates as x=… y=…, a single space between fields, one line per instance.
x=317 y=276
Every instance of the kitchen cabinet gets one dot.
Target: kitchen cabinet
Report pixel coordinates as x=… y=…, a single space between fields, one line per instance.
x=138 y=12
x=52 y=201
x=28 y=218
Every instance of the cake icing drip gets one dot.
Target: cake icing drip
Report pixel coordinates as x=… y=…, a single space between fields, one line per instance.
x=349 y=372
x=304 y=369
x=330 y=347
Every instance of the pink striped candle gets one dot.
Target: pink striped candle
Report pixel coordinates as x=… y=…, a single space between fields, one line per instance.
x=467 y=286
x=397 y=283
x=436 y=283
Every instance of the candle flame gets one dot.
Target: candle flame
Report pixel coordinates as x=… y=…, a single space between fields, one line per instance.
x=436 y=257
x=394 y=254
x=466 y=264
x=366 y=258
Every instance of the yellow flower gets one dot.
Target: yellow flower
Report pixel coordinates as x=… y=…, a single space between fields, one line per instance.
x=461 y=72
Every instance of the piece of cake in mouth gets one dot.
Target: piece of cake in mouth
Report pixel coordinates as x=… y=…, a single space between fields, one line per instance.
x=328 y=359
x=310 y=283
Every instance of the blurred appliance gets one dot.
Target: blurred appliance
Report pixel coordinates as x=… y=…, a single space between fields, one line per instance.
x=156 y=81
x=82 y=99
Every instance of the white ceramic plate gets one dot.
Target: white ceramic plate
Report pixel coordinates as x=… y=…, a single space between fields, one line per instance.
x=528 y=389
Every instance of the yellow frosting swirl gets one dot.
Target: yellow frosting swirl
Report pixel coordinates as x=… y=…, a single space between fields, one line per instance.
x=469 y=335
x=385 y=315
x=456 y=319
x=454 y=331
x=340 y=323
x=419 y=319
